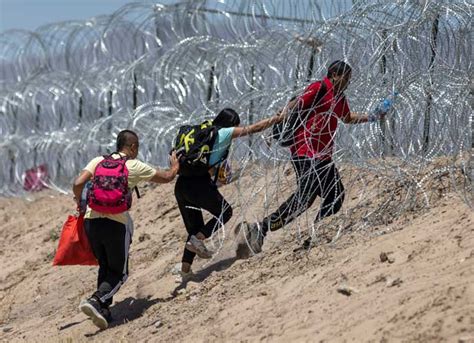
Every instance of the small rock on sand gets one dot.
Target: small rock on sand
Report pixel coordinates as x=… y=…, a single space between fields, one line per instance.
x=347 y=290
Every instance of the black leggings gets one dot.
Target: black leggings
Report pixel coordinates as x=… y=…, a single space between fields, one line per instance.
x=194 y=193
x=314 y=178
x=110 y=242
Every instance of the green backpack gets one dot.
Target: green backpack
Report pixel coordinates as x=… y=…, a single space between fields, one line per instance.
x=193 y=145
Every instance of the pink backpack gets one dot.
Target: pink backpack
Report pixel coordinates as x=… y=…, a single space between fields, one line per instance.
x=109 y=191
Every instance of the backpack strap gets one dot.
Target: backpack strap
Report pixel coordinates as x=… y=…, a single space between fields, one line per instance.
x=126 y=158
x=302 y=114
x=319 y=96
x=137 y=192
x=216 y=176
x=321 y=93
x=222 y=159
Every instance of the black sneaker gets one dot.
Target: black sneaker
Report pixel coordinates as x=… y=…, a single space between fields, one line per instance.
x=252 y=241
x=307 y=245
x=254 y=237
x=107 y=314
x=242 y=250
x=93 y=309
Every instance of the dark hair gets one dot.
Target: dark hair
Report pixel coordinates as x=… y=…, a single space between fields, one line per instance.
x=227 y=118
x=339 y=68
x=126 y=138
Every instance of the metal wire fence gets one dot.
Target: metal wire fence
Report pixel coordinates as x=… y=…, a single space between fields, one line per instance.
x=68 y=88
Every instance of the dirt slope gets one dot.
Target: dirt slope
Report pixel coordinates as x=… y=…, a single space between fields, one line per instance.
x=423 y=291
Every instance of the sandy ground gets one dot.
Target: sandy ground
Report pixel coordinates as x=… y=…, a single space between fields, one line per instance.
x=410 y=279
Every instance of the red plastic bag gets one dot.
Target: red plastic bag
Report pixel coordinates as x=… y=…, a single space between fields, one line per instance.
x=35 y=179
x=74 y=247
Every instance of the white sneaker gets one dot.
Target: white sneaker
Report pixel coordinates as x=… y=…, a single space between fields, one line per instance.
x=181 y=277
x=184 y=277
x=176 y=269
x=197 y=246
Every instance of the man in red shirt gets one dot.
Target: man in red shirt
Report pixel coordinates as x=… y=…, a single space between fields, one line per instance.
x=311 y=152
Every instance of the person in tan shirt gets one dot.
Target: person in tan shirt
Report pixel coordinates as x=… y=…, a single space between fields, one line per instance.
x=110 y=234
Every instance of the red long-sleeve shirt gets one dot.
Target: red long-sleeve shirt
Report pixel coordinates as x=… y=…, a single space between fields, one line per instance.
x=315 y=139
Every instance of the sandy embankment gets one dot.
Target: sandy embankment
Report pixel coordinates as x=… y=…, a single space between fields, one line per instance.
x=423 y=291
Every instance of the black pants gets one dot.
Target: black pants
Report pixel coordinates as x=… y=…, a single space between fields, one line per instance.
x=314 y=178
x=194 y=193
x=110 y=241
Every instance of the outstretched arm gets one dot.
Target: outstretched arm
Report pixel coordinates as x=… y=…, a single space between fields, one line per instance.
x=359 y=118
x=265 y=123
x=167 y=175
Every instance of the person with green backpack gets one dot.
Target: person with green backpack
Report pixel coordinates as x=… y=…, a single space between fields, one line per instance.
x=201 y=148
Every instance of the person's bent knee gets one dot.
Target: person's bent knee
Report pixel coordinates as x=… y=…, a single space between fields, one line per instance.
x=336 y=205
